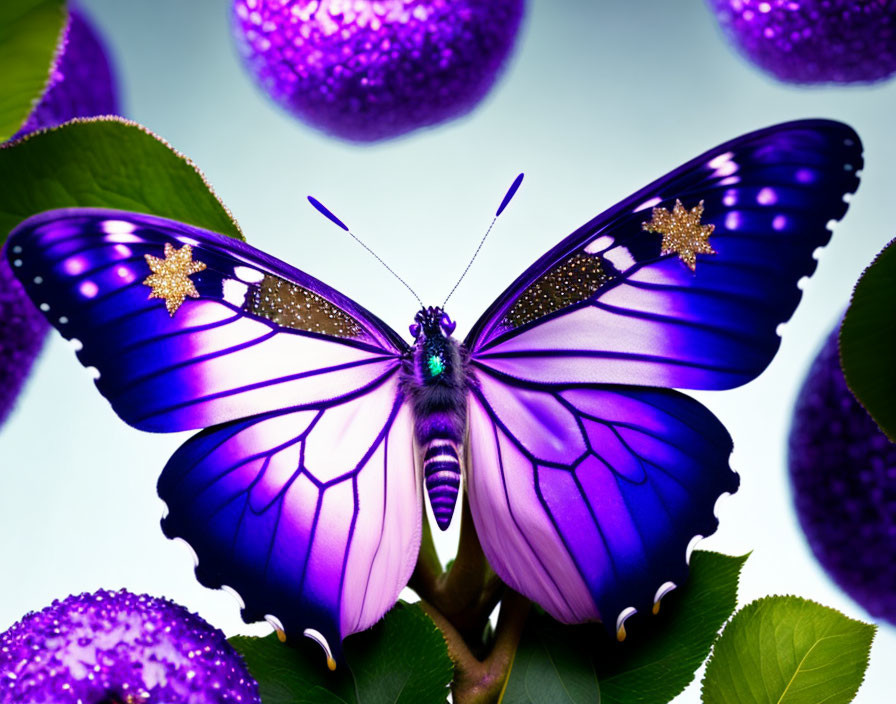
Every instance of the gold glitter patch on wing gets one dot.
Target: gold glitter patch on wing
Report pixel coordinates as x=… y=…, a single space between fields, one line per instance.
x=683 y=233
x=295 y=307
x=571 y=281
x=170 y=278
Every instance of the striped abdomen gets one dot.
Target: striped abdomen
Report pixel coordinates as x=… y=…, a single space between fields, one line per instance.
x=441 y=471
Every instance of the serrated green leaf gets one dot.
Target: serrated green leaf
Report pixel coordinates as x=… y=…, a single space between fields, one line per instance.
x=868 y=341
x=654 y=664
x=401 y=660
x=787 y=650
x=657 y=667
x=105 y=163
x=29 y=33
x=293 y=674
x=553 y=663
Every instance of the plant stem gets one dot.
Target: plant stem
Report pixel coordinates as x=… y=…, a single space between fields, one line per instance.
x=460 y=603
x=458 y=593
x=463 y=583
x=481 y=682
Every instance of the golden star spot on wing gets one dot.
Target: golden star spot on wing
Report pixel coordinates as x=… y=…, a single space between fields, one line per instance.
x=170 y=278
x=682 y=232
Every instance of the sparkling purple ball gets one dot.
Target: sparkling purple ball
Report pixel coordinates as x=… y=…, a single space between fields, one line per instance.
x=120 y=648
x=81 y=84
x=814 y=41
x=843 y=471
x=366 y=70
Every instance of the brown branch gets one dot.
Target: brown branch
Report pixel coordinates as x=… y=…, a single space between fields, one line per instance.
x=460 y=603
x=481 y=682
x=463 y=583
x=457 y=594
x=489 y=597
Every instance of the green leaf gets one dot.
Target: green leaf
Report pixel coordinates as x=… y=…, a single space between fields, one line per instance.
x=105 y=163
x=654 y=664
x=868 y=340
x=553 y=663
x=656 y=667
x=401 y=660
x=787 y=650
x=293 y=674
x=30 y=31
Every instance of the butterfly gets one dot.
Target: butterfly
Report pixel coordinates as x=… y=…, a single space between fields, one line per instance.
x=588 y=475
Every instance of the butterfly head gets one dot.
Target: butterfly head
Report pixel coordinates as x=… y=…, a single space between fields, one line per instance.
x=432 y=322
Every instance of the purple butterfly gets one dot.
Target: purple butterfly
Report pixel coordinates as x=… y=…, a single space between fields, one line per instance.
x=587 y=475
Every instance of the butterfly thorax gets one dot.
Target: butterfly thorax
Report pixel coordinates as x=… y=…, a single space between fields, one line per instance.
x=435 y=380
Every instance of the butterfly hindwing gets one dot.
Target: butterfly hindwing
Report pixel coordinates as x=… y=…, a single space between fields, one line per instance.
x=312 y=515
x=586 y=498
x=607 y=306
x=259 y=335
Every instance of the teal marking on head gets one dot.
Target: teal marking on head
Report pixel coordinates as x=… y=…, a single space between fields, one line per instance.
x=435 y=364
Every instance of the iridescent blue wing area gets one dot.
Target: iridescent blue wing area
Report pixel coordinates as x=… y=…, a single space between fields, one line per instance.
x=606 y=305
x=586 y=481
x=258 y=336
x=312 y=515
x=585 y=499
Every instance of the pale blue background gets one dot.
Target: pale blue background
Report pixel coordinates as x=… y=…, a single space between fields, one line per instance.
x=601 y=98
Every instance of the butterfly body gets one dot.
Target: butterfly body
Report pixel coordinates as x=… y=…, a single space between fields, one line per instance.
x=436 y=382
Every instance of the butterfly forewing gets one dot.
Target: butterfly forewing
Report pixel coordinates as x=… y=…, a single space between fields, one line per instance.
x=258 y=335
x=606 y=305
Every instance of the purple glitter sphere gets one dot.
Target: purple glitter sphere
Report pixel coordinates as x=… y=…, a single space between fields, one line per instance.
x=366 y=70
x=814 y=41
x=120 y=648
x=843 y=470
x=81 y=84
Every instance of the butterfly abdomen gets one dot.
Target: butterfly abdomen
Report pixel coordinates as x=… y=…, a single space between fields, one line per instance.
x=441 y=472
x=434 y=379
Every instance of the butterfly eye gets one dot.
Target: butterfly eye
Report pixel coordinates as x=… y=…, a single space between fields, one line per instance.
x=447 y=324
x=415 y=330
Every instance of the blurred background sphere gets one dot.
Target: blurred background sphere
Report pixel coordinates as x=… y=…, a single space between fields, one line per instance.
x=367 y=70
x=814 y=41
x=843 y=471
x=81 y=84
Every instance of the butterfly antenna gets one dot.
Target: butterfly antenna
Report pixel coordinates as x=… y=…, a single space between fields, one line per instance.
x=323 y=210
x=511 y=192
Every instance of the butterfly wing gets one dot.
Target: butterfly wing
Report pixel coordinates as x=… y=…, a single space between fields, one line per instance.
x=585 y=498
x=312 y=515
x=607 y=306
x=259 y=335
x=597 y=479
x=289 y=497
